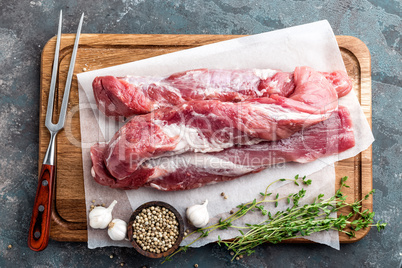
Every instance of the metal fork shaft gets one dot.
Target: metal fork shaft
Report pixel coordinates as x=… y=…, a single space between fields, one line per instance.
x=49 y=156
x=67 y=87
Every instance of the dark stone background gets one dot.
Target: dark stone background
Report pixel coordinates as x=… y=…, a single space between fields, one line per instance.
x=26 y=26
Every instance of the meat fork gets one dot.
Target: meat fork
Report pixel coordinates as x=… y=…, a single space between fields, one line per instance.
x=39 y=228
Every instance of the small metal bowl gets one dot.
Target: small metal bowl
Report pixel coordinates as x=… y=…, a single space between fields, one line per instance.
x=174 y=246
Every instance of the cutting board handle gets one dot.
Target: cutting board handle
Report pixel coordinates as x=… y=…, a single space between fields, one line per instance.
x=39 y=228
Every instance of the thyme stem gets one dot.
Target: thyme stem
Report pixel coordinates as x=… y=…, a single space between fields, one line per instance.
x=295 y=222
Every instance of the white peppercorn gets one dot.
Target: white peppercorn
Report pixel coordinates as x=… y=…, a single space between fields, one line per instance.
x=155 y=229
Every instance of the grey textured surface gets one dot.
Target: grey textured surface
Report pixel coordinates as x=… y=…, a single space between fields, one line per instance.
x=25 y=26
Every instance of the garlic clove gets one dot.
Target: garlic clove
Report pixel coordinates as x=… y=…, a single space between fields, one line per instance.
x=100 y=217
x=198 y=214
x=117 y=229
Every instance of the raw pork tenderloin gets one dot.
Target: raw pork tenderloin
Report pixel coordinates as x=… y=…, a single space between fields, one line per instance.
x=212 y=126
x=133 y=95
x=193 y=170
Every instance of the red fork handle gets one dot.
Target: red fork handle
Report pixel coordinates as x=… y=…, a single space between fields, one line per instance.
x=39 y=228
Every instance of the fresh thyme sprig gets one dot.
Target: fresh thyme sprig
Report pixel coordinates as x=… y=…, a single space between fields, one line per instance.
x=294 y=222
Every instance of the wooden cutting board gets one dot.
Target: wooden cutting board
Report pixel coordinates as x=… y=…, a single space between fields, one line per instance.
x=103 y=50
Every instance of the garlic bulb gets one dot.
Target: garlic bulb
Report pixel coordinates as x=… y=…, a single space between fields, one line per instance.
x=198 y=215
x=117 y=229
x=100 y=217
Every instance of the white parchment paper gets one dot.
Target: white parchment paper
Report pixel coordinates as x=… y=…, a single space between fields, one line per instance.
x=311 y=45
x=321 y=186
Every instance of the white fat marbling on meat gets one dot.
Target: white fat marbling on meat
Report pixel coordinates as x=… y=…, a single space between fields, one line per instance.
x=112 y=144
x=188 y=138
x=141 y=80
x=278 y=112
x=209 y=163
x=158 y=187
x=264 y=73
x=192 y=139
x=211 y=91
x=155 y=106
x=273 y=86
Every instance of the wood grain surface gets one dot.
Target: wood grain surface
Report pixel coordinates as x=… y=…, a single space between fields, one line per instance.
x=104 y=50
